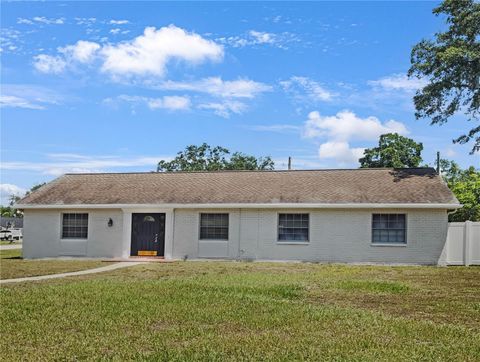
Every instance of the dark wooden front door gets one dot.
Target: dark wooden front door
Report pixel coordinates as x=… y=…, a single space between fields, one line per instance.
x=148 y=234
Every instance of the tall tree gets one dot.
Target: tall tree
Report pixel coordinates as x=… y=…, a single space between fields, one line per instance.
x=451 y=64
x=208 y=158
x=465 y=184
x=393 y=151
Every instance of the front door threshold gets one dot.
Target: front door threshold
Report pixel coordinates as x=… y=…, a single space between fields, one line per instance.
x=158 y=259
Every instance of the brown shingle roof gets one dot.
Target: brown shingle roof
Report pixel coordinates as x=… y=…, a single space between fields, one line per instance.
x=420 y=185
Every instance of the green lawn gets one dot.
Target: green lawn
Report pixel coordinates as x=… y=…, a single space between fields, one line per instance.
x=246 y=311
x=13 y=266
x=6 y=242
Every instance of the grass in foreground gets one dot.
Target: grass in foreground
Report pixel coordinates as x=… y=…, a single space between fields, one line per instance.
x=250 y=311
x=13 y=266
x=6 y=242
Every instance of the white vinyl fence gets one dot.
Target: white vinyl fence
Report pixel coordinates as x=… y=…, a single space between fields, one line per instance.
x=463 y=244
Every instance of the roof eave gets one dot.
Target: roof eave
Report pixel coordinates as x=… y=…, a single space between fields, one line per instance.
x=448 y=206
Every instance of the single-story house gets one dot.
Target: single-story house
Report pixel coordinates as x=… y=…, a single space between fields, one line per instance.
x=358 y=215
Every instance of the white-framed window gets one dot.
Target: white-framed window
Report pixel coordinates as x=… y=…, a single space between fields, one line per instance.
x=74 y=226
x=213 y=226
x=389 y=228
x=293 y=227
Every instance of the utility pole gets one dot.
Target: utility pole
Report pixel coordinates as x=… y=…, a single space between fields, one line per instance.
x=438 y=162
x=289 y=163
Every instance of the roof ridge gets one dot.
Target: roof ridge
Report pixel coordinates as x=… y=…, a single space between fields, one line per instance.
x=245 y=171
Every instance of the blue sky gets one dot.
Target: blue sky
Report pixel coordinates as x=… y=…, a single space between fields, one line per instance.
x=117 y=86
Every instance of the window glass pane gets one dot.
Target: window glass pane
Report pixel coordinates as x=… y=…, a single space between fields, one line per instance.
x=388 y=228
x=75 y=226
x=214 y=226
x=293 y=227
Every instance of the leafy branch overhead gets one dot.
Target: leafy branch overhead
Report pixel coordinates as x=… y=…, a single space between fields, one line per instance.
x=207 y=158
x=451 y=64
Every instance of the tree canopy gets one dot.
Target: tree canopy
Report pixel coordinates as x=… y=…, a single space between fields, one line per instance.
x=393 y=150
x=208 y=158
x=465 y=184
x=451 y=65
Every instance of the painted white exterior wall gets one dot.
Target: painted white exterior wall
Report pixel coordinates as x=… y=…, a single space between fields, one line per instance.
x=42 y=237
x=336 y=235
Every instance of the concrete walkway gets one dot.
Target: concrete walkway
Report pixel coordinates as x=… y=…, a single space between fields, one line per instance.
x=10 y=246
x=71 y=274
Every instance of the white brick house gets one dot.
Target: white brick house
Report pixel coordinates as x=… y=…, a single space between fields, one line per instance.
x=363 y=215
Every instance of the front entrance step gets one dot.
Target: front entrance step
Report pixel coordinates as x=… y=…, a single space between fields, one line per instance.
x=158 y=259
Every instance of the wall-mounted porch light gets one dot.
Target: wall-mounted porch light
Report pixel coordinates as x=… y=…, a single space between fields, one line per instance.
x=110 y=223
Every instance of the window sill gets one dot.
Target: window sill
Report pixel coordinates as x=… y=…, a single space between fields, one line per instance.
x=389 y=244
x=293 y=242
x=214 y=240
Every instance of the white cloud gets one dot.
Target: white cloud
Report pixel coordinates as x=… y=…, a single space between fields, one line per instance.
x=450 y=152
x=72 y=163
x=240 y=88
x=28 y=96
x=278 y=128
x=222 y=101
x=86 y=21
x=7 y=190
x=145 y=55
x=344 y=127
x=17 y=102
x=24 y=21
x=255 y=37
x=44 y=20
x=149 y=53
x=175 y=102
x=171 y=103
x=299 y=163
x=224 y=109
x=340 y=151
x=10 y=40
x=396 y=82
x=41 y=20
x=82 y=51
x=302 y=88
x=118 y=22
x=49 y=64
x=261 y=37
x=115 y=31
x=347 y=125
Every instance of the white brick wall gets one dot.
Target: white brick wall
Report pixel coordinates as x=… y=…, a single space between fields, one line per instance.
x=42 y=235
x=335 y=236
x=187 y=243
